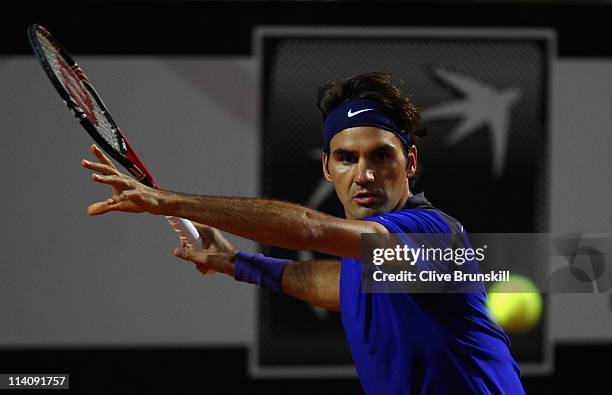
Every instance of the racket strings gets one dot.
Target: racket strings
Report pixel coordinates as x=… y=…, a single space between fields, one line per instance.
x=71 y=79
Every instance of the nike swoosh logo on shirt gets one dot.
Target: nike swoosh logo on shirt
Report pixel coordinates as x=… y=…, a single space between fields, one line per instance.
x=351 y=114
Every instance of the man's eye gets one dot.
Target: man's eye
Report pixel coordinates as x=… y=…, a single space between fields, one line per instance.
x=381 y=156
x=347 y=158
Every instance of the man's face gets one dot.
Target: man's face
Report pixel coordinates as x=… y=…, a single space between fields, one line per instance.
x=369 y=170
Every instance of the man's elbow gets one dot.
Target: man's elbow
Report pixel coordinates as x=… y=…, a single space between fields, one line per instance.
x=329 y=305
x=377 y=228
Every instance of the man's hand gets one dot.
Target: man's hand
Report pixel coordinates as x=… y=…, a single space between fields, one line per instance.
x=217 y=252
x=128 y=194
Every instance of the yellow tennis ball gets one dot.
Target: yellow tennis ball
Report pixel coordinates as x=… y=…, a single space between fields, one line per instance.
x=516 y=305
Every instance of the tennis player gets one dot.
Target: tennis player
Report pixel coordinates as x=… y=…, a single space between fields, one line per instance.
x=401 y=343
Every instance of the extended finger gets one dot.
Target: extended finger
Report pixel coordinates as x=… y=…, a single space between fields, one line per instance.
x=102 y=156
x=102 y=208
x=113 y=180
x=113 y=205
x=99 y=167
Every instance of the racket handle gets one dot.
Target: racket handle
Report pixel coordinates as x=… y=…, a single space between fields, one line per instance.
x=186 y=230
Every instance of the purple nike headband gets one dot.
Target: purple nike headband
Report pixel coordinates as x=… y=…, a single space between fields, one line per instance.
x=363 y=112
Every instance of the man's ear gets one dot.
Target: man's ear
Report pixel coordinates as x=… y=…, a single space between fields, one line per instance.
x=324 y=162
x=411 y=161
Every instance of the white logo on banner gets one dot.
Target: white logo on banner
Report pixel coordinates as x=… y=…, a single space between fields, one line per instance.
x=482 y=105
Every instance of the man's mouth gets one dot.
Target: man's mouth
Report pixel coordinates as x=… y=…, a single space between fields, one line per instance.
x=366 y=198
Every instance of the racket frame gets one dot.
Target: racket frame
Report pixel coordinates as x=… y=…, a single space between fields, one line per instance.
x=127 y=157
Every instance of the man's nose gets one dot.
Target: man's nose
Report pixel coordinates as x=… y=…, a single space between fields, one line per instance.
x=365 y=174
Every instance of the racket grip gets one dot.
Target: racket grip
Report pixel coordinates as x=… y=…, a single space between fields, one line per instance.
x=187 y=231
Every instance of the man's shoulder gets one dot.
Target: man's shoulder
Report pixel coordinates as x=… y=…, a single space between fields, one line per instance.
x=418 y=216
x=412 y=220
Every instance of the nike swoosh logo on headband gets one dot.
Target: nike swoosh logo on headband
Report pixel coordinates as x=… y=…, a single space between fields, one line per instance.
x=351 y=114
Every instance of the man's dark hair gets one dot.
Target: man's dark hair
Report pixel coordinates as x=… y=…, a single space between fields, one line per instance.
x=375 y=86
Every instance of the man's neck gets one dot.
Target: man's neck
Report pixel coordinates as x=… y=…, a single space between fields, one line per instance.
x=402 y=203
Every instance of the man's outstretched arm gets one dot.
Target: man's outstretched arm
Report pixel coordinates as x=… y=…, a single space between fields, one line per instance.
x=272 y=222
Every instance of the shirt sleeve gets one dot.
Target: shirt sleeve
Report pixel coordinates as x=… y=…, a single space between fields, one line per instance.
x=412 y=221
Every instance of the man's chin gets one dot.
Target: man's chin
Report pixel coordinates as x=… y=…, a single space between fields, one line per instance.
x=360 y=212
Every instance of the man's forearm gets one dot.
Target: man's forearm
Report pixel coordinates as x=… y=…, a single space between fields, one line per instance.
x=314 y=282
x=273 y=222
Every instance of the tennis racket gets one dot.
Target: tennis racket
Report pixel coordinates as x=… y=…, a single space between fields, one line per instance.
x=78 y=93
